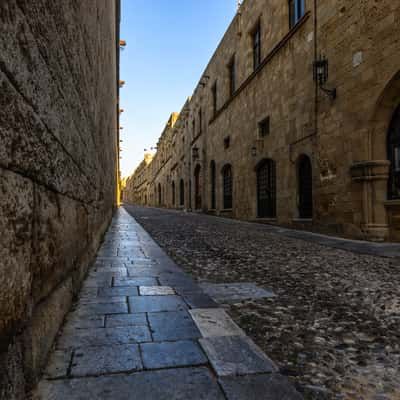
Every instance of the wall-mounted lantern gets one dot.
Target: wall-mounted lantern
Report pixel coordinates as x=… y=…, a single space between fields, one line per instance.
x=121 y=83
x=122 y=43
x=321 y=73
x=121 y=110
x=195 y=153
x=254 y=151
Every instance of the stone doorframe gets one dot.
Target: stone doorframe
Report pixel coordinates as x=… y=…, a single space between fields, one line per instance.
x=373 y=174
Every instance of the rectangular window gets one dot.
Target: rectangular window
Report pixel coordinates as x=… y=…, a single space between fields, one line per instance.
x=263 y=127
x=227 y=142
x=200 y=121
x=296 y=12
x=232 y=78
x=214 y=98
x=257 y=46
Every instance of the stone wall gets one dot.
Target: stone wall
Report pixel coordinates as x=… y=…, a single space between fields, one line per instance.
x=58 y=150
x=344 y=138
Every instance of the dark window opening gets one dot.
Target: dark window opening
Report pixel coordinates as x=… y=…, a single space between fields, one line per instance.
x=173 y=194
x=266 y=189
x=393 y=149
x=227 y=142
x=305 y=189
x=257 y=46
x=197 y=188
x=213 y=184
x=227 y=187
x=182 y=192
x=214 y=98
x=263 y=127
x=232 y=77
x=296 y=12
x=200 y=121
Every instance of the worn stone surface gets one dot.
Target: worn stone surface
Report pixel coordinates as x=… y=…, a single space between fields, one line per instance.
x=58 y=142
x=235 y=355
x=333 y=324
x=215 y=322
x=255 y=387
x=126 y=320
x=235 y=292
x=102 y=341
x=156 y=291
x=156 y=303
x=172 y=354
x=105 y=336
x=106 y=360
x=175 y=325
x=177 y=384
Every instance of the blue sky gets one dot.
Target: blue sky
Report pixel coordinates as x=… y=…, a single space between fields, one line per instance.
x=169 y=43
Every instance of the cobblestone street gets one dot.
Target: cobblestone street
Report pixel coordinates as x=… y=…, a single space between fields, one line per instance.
x=333 y=325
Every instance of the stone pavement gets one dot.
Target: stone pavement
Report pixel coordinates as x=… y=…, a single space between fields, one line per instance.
x=143 y=329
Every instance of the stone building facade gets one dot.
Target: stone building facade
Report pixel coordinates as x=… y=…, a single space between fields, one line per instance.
x=295 y=121
x=58 y=168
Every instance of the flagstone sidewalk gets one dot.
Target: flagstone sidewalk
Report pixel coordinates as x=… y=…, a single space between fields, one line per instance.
x=143 y=329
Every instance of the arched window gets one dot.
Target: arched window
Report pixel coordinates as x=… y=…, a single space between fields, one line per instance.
x=173 y=193
x=159 y=195
x=393 y=148
x=197 y=187
x=305 y=190
x=227 y=186
x=266 y=189
x=212 y=183
x=182 y=192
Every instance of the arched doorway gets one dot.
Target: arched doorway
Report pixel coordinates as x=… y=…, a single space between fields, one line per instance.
x=182 y=192
x=213 y=202
x=227 y=187
x=197 y=187
x=266 y=189
x=305 y=189
x=393 y=153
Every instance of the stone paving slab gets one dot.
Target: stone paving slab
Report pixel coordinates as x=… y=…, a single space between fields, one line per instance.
x=125 y=320
x=101 y=309
x=172 y=354
x=256 y=387
x=144 y=281
x=173 y=326
x=171 y=384
x=156 y=303
x=76 y=321
x=105 y=336
x=156 y=290
x=215 y=322
x=235 y=355
x=199 y=300
x=119 y=291
x=106 y=360
x=234 y=292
